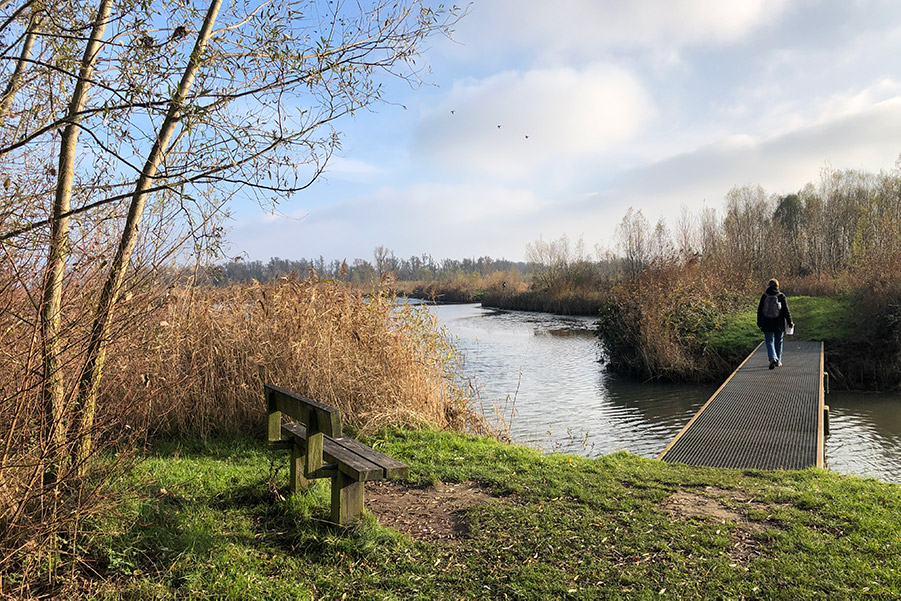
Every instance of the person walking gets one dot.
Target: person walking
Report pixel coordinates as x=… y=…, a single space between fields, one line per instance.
x=772 y=317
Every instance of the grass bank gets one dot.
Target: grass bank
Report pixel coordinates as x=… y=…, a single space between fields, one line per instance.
x=215 y=522
x=860 y=351
x=816 y=318
x=192 y=362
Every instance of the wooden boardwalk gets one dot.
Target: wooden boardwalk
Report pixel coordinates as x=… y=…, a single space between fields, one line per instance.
x=761 y=418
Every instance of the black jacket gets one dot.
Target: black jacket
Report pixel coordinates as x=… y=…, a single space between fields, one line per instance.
x=773 y=324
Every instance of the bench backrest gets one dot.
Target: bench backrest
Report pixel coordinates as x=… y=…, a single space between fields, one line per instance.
x=314 y=415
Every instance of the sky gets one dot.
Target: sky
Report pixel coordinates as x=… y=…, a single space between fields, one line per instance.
x=541 y=119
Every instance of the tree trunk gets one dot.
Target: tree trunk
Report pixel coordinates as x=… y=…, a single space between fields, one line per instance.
x=56 y=411
x=93 y=371
x=15 y=79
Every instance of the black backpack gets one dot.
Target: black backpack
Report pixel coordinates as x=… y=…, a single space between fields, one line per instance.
x=771 y=306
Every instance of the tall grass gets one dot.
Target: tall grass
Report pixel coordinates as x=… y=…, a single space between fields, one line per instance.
x=202 y=361
x=192 y=361
x=44 y=500
x=459 y=287
x=695 y=321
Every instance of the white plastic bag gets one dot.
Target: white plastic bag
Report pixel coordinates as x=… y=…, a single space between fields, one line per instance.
x=789 y=329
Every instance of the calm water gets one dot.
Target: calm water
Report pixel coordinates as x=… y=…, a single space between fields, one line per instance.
x=543 y=376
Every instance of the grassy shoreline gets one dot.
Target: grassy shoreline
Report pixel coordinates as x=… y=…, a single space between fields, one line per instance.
x=215 y=521
x=858 y=354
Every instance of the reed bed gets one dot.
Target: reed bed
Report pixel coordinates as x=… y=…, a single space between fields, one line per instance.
x=45 y=495
x=464 y=288
x=657 y=325
x=200 y=364
x=192 y=362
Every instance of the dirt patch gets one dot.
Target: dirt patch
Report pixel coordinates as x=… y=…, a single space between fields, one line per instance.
x=721 y=506
x=690 y=505
x=429 y=514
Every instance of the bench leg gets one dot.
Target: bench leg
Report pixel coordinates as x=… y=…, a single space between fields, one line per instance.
x=347 y=499
x=296 y=478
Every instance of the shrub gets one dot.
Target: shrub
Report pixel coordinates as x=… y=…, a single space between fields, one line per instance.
x=658 y=325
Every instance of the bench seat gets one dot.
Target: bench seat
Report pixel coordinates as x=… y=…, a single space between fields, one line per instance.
x=353 y=458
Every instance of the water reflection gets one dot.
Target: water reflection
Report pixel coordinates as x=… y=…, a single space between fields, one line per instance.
x=865 y=435
x=545 y=371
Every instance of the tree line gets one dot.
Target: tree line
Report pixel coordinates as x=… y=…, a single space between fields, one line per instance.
x=849 y=221
x=417 y=268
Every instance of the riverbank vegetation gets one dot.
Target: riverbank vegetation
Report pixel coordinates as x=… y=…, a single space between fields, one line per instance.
x=194 y=363
x=678 y=302
x=482 y=519
x=125 y=130
x=839 y=239
x=672 y=297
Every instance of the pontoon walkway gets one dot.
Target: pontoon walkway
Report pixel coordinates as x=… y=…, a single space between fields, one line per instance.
x=761 y=418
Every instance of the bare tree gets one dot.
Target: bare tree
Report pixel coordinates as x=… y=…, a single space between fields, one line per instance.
x=687 y=237
x=634 y=240
x=551 y=261
x=54 y=391
x=746 y=228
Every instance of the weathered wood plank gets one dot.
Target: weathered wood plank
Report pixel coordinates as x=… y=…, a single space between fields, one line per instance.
x=314 y=414
x=348 y=461
x=393 y=468
x=296 y=478
x=275 y=419
x=313 y=453
x=352 y=464
x=347 y=500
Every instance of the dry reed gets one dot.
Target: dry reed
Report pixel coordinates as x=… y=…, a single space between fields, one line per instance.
x=192 y=361
x=44 y=502
x=655 y=326
x=202 y=361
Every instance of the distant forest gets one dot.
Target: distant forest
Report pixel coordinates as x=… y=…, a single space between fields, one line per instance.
x=363 y=272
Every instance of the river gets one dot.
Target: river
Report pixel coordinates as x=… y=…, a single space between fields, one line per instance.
x=542 y=377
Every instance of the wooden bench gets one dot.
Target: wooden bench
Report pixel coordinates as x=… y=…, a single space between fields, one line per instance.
x=315 y=439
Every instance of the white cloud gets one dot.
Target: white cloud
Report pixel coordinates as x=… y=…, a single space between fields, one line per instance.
x=435 y=218
x=792 y=114
x=868 y=140
x=514 y=122
x=584 y=27
x=456 y=220
x=351 y=169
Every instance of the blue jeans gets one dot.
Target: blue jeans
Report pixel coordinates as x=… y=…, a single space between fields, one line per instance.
x=773 y=342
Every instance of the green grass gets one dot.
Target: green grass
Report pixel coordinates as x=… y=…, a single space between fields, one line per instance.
x=816 y=318
x=215 y=521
